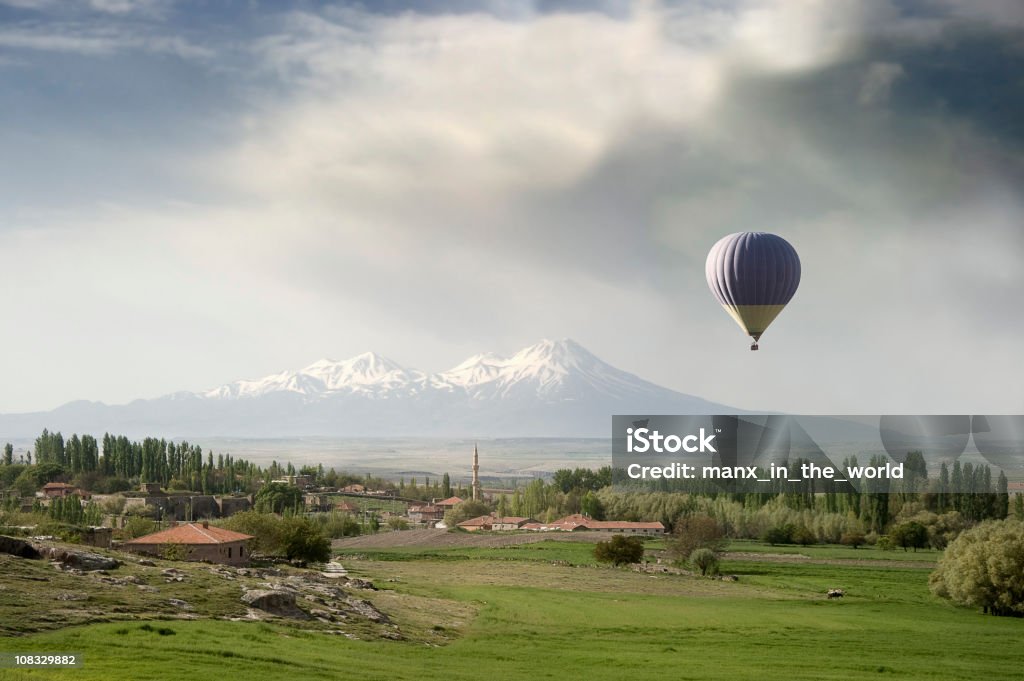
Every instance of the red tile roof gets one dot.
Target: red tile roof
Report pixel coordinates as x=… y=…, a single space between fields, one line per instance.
x=58 y=485
x=622 y=525
x=578 y=521
x=192 y=533
x=479 y=521
x=450 y=501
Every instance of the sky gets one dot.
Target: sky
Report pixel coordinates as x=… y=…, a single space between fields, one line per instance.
x=194 y=193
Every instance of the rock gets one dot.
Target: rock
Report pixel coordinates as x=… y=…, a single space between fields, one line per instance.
x=177 y=602
x=71 y=596
x=79 y=560
x=275 y=601
x=146 y=562
x=366 y=609
x=18 y=547
x=356 y=583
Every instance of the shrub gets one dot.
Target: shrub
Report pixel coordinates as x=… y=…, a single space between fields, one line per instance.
x=464 y=511
x=174 y=552
x=984 y=568
x=803 y=536
x=780 y=535
x=137 y=526
x=696 y=532
x=705 y=560
x=339 y=525
x=265 y=527
x=853 y=539
x=302 y=539
x=910 y=535
x=620 y=550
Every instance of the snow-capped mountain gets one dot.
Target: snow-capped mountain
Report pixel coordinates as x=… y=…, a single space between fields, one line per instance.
x=549 y=370
x=368 y=373
x=552 y=388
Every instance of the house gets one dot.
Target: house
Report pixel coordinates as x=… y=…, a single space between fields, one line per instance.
x=581 y=523
x=426 y=514
x=354 y=489
x=196 y=541
x=483 y=522
x=346 y=507
x=508 y=523
x=318 y=502
x=300 y=481
x=449 y=503
x=52 y=490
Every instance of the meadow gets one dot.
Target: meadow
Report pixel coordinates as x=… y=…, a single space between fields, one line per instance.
x=546 y=611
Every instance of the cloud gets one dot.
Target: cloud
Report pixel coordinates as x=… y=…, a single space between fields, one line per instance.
x=878 y=82
x=434 y=184
x=84 y=39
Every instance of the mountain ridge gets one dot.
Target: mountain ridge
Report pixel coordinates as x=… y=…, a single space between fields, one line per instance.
x=551 y=388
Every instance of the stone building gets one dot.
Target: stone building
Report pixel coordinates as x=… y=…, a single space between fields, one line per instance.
x=195 y=541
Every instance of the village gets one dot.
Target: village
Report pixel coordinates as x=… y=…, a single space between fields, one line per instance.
x=186 y=525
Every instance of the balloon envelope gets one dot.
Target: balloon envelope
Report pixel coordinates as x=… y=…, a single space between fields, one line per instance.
x=753 y=275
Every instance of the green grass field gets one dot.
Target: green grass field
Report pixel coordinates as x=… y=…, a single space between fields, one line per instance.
x=522 y=613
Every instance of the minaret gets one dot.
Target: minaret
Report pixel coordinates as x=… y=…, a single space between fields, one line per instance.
x=476 y=474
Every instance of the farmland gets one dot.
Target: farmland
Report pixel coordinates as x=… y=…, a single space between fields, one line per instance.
x=545 y=610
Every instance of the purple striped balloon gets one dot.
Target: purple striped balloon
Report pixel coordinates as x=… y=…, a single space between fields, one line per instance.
x=753 y=275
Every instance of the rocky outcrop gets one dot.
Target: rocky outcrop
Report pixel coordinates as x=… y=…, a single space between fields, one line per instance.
x=78 y=560
x=366 y=609
x=18 y=547
x=274 y=601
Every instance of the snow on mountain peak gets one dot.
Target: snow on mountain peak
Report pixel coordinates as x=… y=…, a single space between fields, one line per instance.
x=549 y=369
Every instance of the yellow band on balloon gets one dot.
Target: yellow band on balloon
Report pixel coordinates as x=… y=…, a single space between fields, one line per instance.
x=754 y=319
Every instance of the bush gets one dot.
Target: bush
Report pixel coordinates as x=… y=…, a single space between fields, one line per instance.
x=910 y=535
x=620 y=550
x=705 y=560
x=138 y=526
x=112 y=485
x=396 y=523
x=339 y=525
x=780 y=535
x=984 y=568
x=265 y=527
x=885 y=543
x=853 y=539
x=302 y=539
x=696 y=532
x=803 y=536
x=175 y=552
x=464 y=511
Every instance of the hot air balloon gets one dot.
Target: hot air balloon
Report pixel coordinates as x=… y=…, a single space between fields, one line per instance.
x=753 y=275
